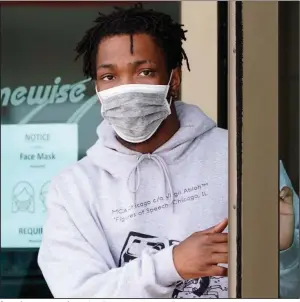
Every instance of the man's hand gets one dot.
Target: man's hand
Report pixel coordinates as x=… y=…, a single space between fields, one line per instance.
x=287 y=219
x=200 y=254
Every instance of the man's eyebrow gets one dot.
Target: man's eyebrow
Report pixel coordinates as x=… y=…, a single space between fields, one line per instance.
x=105 y=66
x=135 y=63
x=141 y=62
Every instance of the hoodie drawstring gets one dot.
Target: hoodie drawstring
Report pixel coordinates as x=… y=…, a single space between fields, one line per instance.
x=160 y=163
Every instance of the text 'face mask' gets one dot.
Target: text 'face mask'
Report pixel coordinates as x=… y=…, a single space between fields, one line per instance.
x=135 y=111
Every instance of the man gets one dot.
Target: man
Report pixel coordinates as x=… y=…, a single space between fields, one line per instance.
x=143 y=214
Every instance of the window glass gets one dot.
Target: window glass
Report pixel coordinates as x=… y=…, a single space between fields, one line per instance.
x=289 y=143
x=49 y=116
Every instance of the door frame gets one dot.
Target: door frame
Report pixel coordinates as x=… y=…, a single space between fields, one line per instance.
x=254 y=165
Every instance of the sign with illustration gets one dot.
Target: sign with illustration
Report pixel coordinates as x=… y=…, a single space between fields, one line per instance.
x=31 y=155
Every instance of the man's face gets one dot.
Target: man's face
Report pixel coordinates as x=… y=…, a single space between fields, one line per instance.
x=117 y=65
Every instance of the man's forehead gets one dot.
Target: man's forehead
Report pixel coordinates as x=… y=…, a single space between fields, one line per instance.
x=141 y=48
x=124 y=43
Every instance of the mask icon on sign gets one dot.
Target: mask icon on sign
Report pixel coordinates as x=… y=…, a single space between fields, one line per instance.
x=23 y=198
x=43 y=193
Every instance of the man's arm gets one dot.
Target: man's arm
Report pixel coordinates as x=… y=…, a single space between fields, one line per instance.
x=289 y=259
x=73 y=268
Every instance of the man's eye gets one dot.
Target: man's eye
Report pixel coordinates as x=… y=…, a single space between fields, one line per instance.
x=107 y=77
x=146 y=73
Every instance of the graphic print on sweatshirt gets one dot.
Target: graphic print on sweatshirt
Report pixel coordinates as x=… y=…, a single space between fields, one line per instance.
x=206 y=287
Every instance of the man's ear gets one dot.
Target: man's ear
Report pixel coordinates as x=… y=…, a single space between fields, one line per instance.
x=175 y=82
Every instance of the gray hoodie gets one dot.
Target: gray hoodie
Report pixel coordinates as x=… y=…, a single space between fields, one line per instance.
x=111 y=223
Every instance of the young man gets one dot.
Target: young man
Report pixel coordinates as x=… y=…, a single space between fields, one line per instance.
x=143 y=214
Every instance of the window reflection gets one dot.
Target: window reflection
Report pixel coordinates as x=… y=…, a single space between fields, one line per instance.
x=289 y=148
x=42 y=85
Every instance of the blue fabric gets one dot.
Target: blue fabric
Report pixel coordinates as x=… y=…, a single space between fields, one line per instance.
x=289 y=259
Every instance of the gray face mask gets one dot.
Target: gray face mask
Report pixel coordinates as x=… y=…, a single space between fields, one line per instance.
x=135 y=111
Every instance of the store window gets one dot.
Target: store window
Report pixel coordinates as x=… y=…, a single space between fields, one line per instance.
x=289 y=140
x=49 y=116
x=268 y=123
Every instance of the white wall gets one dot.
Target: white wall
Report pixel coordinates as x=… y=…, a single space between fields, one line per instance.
x=200 y=85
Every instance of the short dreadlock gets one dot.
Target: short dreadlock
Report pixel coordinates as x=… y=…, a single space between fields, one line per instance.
x=134 y=20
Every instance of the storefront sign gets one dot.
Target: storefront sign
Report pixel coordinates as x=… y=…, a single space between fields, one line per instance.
x=31 y=155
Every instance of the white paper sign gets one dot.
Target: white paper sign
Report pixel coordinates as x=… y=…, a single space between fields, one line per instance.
x=31 y=155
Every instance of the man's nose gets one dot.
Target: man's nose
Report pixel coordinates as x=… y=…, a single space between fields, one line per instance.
x=126 y=79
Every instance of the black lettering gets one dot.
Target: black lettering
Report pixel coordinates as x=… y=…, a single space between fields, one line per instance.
x=44 y=156
x=31 y=231
x=24 y=156
x=33 y=137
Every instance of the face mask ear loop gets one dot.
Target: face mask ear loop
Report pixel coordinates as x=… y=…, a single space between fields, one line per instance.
x=167 y=91
x=96 y=88
x=170 y=77
x=97 y=93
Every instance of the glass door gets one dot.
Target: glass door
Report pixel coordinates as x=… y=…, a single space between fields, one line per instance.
x=47 y=108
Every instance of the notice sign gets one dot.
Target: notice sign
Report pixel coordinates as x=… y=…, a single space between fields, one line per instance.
x=31 y=155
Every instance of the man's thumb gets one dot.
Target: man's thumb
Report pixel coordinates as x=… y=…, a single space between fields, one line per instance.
x=219 y=228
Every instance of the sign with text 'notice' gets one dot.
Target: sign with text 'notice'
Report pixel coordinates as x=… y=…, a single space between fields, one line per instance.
x=31 y=155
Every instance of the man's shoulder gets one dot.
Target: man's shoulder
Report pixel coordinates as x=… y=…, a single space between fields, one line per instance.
x=220 y=132
x=75 y=173
x=218 y=137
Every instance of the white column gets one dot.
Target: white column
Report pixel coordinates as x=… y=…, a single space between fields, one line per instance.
x=199 y=86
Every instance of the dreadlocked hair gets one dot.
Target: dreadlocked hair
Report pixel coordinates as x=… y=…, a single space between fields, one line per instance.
x=168 y=35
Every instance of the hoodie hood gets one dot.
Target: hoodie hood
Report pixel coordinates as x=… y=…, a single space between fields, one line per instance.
x=120 y=162
x=108 y=152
